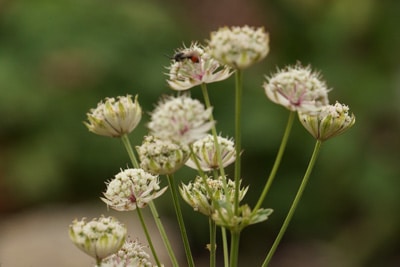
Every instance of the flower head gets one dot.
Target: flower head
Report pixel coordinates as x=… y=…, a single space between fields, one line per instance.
x=193 y=66
x=98 y=238
x=226 y=217
x=239 y=47
x=132 y=254
x=206 y=153
x=180 y=119
x=159 y=156
x=114 y=118
x=221 y=189
x=131 y=189
x=298 y=89
x=331 y=121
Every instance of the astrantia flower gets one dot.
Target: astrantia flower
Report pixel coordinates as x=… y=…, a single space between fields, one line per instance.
x=114 y=117
x=196 y=194
x=193 y=66
x=298 y=89
x=239 y=47
x=331 y=121
x=206 y=153
x=180 y=119
x=159 y=156
x=98 y=238
x=131 y=189
x=132 y=254
x=226 y=217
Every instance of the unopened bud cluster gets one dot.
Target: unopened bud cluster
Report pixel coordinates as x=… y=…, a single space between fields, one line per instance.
x=114 y=117
x=159 y=156
x=206 y=153
x=132 y=254
x=98 y=238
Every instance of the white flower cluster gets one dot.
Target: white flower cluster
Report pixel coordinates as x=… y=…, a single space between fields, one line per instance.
x=180 y=119
x=131 y=189
x=298 y=89
x=132 y=254
x=239 y=47
x=193 y=66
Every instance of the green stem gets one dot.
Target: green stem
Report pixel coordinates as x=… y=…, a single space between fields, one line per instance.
x=294 y=204
x=213 y=247
x=213 y=130
x=225 y=247
x=163 y=234
x=167 y=244
x=277 y=161
x=238 y=143
x=128 y=147
x=235 y=237
x=181 y=223
x=146 y=232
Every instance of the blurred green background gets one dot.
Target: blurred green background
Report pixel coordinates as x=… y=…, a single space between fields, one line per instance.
x=59 y=58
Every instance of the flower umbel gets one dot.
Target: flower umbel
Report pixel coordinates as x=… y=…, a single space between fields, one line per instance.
x=187 y=73
x=180 y=119
x=297 y=88
x=226 y=217
x=222 y=189
x=331 y=121
x=98 y=238
x=132 y=254
x=114 y=118
x=239 y=47
x=131 y=189
x=159 y=156
x=206 y=153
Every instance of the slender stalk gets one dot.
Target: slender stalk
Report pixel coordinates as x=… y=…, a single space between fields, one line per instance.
x=277 y=161
x=213 y=130
x=163 y=234
x=146 y=232
x=235 y=237
x=161 y=229
x=181 y=223
x=213 y=235
x=225 y=247
x=238 y=143
x=294 y=204
x=128 y=147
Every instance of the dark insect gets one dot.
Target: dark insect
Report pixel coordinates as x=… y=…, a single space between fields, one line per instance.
x=181 y=56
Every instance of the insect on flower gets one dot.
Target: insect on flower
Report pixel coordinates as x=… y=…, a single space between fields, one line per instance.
x=192 y=55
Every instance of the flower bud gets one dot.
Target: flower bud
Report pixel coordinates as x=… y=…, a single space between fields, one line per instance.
x=161 y=156
x=206 y=153
x=239 y=47
x=114 y=118
x=132 y=254
x=331 y=121
x=98 y=238
x=196 y=193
